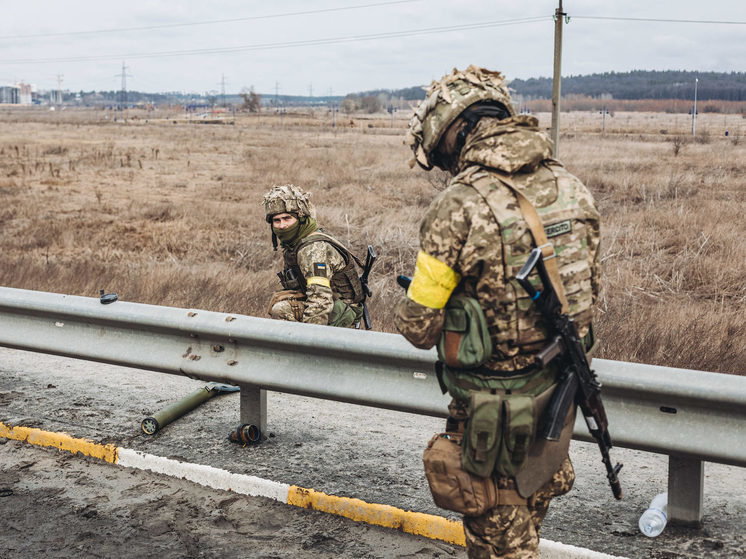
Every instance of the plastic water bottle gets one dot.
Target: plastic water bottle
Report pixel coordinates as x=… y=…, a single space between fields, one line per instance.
x=654 y=519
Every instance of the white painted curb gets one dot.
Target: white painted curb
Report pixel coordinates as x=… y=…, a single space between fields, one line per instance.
x=208 y=476
x=556 y=550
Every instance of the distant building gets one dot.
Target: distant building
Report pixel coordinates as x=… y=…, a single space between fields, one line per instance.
x=10 y=94
x=18 y=94
x=25 y=93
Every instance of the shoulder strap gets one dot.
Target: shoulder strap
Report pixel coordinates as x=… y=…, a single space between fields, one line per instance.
x=321 y=236
x=482 y=185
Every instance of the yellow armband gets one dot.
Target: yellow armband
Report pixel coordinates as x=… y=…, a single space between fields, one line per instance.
x=318 y=280
x=433 y=282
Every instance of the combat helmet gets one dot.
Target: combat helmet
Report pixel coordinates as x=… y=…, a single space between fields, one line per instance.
x=448 y=99
x=288 y=198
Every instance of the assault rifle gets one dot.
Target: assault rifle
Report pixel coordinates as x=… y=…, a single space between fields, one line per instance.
x=370 y=259
x=578 y=383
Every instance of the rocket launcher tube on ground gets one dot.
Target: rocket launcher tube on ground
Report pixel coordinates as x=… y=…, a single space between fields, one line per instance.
x=156 y=422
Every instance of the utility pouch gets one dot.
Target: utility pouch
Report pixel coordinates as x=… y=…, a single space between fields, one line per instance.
x=345 y=315
x=482 y=434
x=453 y=488
x=518 y=434
x=465 y=342
x=291 y=295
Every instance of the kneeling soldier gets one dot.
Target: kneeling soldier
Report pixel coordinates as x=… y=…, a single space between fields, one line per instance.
x=319 y=280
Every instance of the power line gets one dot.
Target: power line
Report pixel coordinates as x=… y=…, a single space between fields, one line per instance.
x=209 y=22
x=661 y=20
x=291 y=44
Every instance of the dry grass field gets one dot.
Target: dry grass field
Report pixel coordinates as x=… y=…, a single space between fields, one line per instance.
x=167 y=211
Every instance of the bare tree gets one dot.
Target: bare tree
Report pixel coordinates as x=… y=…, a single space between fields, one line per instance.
x=252 y=101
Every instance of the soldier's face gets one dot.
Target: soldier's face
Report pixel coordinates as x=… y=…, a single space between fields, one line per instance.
x=283 y=221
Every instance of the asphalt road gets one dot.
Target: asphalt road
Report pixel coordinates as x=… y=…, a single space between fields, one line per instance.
x=57 y=505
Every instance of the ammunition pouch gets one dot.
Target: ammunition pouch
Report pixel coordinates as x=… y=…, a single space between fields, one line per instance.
x=500 y=433
x=465 y=342
x=497 y=434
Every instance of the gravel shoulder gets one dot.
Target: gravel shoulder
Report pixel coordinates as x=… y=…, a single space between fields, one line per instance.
x=58 y=503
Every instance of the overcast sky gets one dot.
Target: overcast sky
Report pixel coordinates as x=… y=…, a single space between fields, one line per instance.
x=86 y=41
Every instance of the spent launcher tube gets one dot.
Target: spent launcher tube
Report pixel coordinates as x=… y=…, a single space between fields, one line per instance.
x=151 y=425
x=577 y=383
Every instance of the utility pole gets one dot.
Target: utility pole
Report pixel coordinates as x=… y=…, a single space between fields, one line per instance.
x=59 y=89
x=559 y=15
x=604 y=112
x=277 y=92
x=694 y=111
x=222 y=88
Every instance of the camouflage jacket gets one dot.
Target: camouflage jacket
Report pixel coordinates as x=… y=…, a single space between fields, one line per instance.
x=323 y=273
x=460 y=230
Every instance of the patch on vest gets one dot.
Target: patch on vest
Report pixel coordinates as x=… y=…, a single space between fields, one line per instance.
x=319 y=269
x=557 y=229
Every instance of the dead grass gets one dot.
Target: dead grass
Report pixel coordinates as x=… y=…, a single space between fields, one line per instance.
x=170 y=214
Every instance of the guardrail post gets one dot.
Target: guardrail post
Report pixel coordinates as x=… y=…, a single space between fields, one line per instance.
x=254 y=407
x=685 y=490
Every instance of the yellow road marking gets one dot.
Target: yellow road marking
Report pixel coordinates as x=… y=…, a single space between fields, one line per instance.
x=62 y=441
x=417 y=523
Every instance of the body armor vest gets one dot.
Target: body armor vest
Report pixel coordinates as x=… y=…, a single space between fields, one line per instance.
x=515 y=325
x=345 y=284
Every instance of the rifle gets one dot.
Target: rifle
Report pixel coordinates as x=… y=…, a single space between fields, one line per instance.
x=370 y=259
x=578 y=382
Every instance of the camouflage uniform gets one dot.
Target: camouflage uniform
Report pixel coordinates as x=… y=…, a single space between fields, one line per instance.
x=320 y=285
x=467 y=249
x=513 y=531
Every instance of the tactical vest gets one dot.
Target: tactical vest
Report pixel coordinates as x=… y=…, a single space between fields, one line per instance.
x=516 y=327
x=515 y=324
x=345 y=284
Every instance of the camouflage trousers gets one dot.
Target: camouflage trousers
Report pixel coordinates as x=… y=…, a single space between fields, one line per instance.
x=344 y=315
x=512 y=532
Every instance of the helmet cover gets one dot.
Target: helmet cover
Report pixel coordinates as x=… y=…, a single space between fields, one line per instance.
x=445 y=100
x=287 y=198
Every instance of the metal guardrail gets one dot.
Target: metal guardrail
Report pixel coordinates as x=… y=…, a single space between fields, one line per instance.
x=692 y=416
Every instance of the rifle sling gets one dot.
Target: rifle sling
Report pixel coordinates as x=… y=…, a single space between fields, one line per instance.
x=482 y=185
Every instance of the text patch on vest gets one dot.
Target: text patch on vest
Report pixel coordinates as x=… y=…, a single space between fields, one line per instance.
x=557 y=229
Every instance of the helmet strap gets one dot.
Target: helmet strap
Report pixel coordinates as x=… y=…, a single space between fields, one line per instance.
x=427 y=166
x=274 y=241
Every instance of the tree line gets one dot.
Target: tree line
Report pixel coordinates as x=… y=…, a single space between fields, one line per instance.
x=637 y=84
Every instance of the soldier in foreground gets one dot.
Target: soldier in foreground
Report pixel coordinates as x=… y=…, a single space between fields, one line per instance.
x=320 y=284
x=507 y=196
